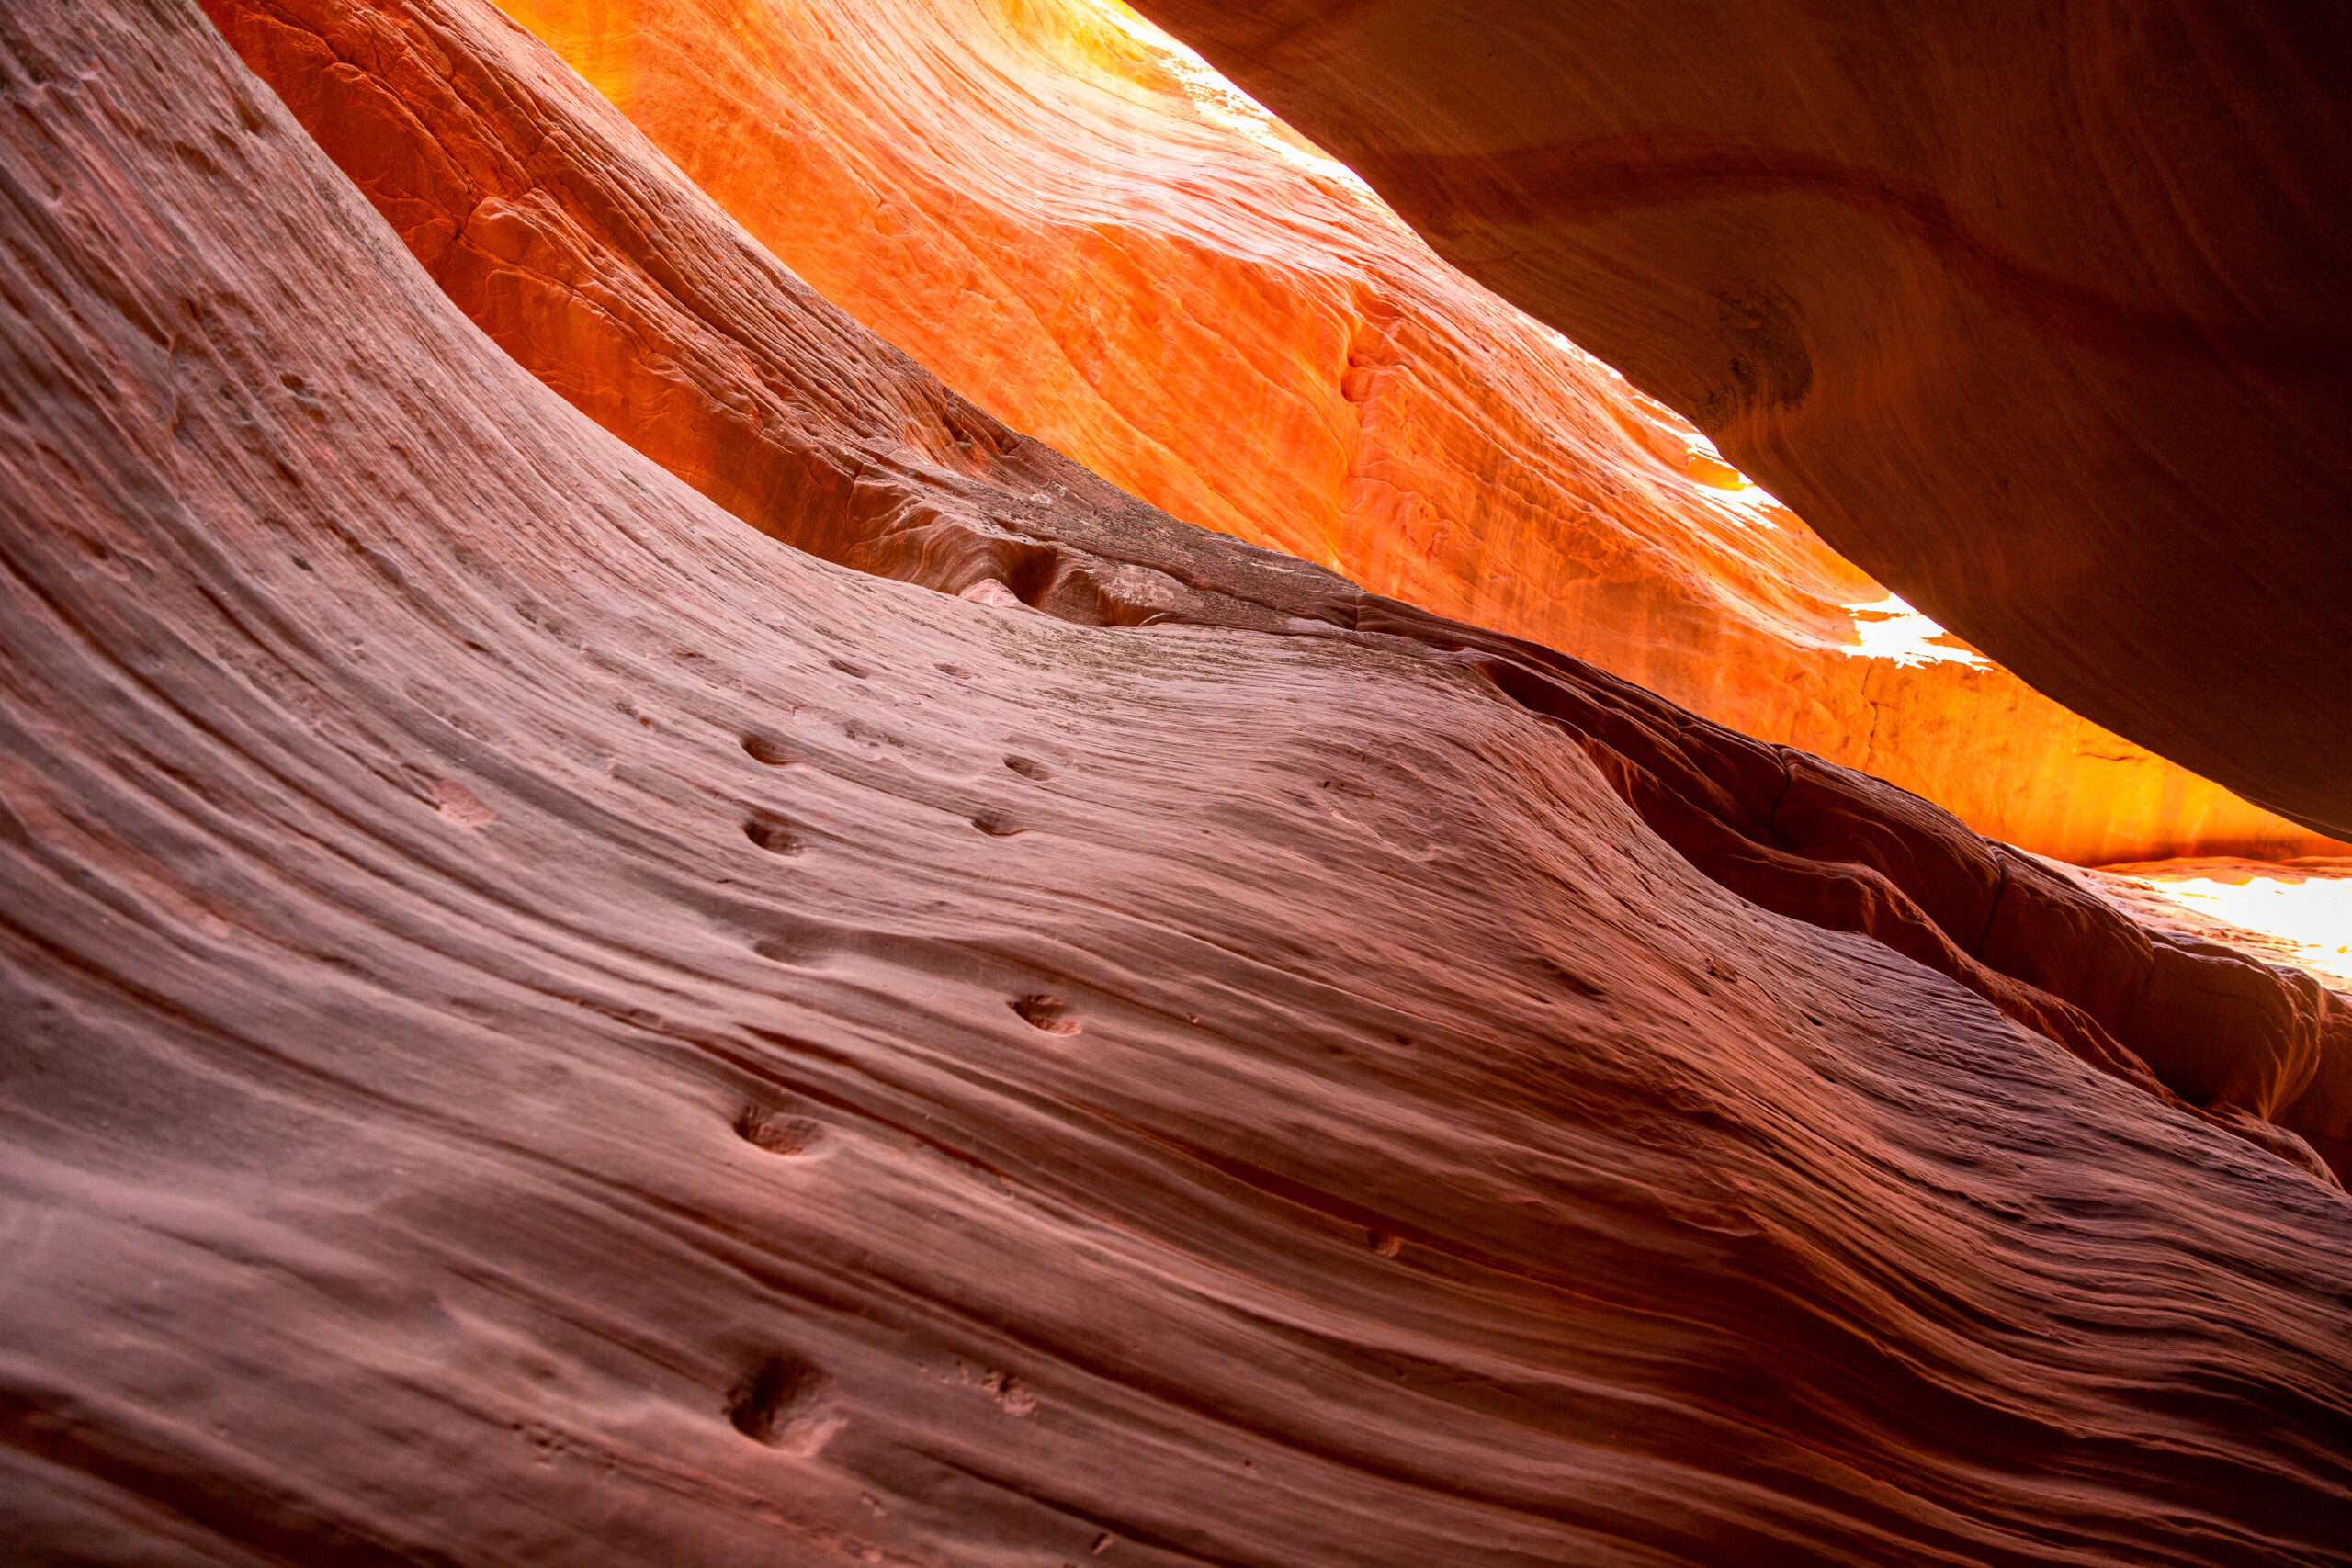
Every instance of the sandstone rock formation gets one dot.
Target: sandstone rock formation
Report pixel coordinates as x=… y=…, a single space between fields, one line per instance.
x=2035 y=312
x=1109 y=250
x=537 y=228
x=548 y=1026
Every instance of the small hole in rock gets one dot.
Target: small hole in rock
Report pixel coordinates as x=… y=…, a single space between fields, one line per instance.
x=1048 y=1013
x=775 y=835
x=957 y=671
x=777 y=1389
x=1027 y=769
x=1386 y=1243
x=777 y=1134
x=765 y=748
x=996 y=827
x=846 y=668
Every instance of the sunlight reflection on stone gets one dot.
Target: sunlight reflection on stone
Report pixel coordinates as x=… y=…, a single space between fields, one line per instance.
x=1221 y=101
x=2313 y=915
x=1893 y=629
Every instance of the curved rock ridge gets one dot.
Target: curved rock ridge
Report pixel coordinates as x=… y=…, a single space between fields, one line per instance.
x=548 y=1026
x=2034 y=311
x=438 y=81
x=1078 y=225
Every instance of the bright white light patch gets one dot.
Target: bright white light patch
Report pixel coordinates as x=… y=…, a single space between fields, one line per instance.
x=1227 y=105
x=1891 y=629
x=2313 y=917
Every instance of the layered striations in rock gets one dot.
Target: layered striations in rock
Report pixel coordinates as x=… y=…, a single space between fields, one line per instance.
x=1089 y=234
x=548 y=1026
x=2035 y=312
x=443 y=84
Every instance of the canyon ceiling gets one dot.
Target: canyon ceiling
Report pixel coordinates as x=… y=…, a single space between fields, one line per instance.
x=972 y=1020
x=2036 y=311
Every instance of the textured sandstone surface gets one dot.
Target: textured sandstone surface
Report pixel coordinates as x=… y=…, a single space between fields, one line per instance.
x=586 y=209
x=2036 y=311
x=1100 y=242
x=546 y=1026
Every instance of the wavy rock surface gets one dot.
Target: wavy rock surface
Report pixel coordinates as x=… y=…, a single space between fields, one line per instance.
x=1106 y=247
x=2035 y=312
x=548 y=1026
x=572 y=203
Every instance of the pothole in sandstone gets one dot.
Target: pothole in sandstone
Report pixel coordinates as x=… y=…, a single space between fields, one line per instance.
x=777 y=1134
x=773 y=834
x=780 y=1404
x=1050 y=1014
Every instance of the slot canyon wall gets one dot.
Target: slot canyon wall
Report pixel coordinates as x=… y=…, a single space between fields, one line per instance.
x=2036 y=311
x=545 y=1024
x=1089 y=235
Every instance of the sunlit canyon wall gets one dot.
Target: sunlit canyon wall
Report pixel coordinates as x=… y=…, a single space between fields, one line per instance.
x=1076 y=224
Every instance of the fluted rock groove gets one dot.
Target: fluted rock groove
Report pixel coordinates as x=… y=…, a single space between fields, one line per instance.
x=545 y=1024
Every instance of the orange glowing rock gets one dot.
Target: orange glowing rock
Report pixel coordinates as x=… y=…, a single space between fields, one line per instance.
x=1077 y=225
x=2037 y=312
x=831 y=439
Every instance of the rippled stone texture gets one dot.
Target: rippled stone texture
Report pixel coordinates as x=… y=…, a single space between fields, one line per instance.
x=1825 y=845
x=2035 y=312
x=546 y=1025
x=1099 y=241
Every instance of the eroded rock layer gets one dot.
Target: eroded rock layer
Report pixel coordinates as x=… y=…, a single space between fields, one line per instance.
x=548 y=1026
x=1108 y=248
x=2035 y=312
x=450 y=85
